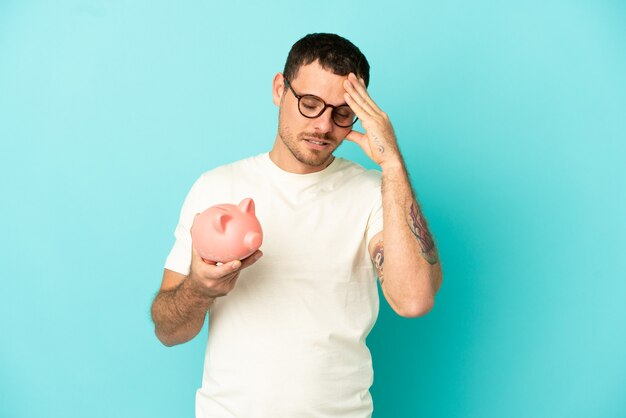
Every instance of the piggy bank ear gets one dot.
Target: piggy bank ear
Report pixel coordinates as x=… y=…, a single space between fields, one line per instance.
x=247 y=206
x=220 y=221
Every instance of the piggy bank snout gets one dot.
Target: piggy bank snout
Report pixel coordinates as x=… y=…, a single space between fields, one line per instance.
x=253 y=240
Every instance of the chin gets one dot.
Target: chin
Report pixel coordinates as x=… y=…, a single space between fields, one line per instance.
x=314 y=162
x=314 y=159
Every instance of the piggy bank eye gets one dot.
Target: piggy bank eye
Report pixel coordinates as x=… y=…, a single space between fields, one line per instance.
x=220 y=222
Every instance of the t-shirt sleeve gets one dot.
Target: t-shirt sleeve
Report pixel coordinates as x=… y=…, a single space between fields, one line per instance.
x=179 y=258
x=375 y=221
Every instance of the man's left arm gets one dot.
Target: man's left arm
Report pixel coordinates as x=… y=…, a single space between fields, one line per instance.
x=404 y=252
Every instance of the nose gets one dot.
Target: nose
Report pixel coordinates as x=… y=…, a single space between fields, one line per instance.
x=324 y=122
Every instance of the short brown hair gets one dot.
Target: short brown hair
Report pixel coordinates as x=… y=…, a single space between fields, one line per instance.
x=333 y=52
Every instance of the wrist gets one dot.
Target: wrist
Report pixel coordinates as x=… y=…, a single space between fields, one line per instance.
x=393 y=163
x=197 y=290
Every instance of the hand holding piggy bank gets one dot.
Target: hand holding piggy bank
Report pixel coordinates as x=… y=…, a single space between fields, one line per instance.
x=227 y=232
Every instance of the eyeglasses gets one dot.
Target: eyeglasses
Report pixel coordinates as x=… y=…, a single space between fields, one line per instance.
x=312 y=107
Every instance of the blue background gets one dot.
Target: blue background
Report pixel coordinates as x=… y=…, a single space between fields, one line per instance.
x=512 y=121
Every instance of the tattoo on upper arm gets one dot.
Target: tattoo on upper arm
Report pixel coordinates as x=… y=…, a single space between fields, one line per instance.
x=418 y=227
x=379 y=258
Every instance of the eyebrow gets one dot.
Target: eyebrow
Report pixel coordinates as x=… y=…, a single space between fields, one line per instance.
x=339 y=105
x=314 y=95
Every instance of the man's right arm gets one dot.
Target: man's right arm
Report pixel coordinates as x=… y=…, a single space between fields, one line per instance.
x=180 y=307
x=178 y=311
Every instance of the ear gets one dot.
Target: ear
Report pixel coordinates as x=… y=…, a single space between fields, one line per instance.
x=278 y=87
x=220 y=221
x=247 y=206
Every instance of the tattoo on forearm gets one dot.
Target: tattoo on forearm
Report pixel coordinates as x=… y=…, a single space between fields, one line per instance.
x=379 y=258
x=381 y=149
x=418 y=227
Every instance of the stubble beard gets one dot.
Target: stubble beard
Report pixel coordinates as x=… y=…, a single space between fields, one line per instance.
x=309 y=157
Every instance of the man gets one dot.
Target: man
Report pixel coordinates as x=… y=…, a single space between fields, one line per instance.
x=287 y=332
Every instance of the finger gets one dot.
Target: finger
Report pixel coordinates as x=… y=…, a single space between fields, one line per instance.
x=251 y=259
x=359 y=85
x=361 y=140
x=355 y=136
x=356 y=108
x=358 y=97
x=362 y=88
x=233 y=280
x=223 y=270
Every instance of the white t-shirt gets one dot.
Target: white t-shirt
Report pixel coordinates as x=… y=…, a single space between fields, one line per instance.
x=289 y=339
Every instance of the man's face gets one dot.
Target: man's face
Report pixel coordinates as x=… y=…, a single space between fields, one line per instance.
x=309 y=143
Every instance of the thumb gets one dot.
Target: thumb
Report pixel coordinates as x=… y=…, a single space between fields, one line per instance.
x=361 y=140
x=226 y=269
x=355 y=136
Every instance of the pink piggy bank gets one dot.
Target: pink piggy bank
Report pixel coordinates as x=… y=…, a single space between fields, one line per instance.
x=227 y=232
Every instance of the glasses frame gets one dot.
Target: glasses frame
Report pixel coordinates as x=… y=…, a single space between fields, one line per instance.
x=326 y=105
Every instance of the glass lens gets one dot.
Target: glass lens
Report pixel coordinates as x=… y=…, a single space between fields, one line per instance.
x=344 y=116
x=311 y=106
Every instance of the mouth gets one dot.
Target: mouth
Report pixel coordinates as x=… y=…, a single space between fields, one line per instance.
x=316 y=143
